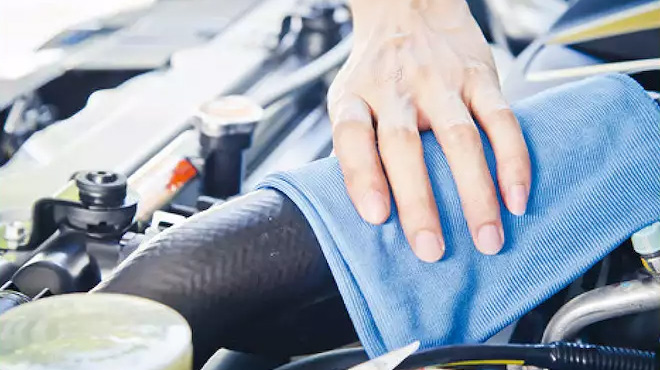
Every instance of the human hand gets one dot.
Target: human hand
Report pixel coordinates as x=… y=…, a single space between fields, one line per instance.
x=418 y=65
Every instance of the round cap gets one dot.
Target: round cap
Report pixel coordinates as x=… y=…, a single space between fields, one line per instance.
x=94 y=331
x=234 y=114
x=101 y=188
x=647 y=240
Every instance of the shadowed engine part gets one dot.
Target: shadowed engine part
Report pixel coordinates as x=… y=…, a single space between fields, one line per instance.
x=248 y=275
x=63 y=266
x=601 y=304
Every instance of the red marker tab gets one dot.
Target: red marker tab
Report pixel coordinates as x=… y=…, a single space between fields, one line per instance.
x=183 y=172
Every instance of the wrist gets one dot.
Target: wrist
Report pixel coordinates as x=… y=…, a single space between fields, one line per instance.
x=402 y=15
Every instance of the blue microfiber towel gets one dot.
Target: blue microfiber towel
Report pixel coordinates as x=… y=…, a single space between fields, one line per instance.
x=595 y=150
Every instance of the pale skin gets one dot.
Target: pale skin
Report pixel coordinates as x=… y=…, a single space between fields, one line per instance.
x=424 y=65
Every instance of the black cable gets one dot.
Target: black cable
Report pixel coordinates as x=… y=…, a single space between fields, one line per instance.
x=558 y=355
x=553 y=356
x=459 y=356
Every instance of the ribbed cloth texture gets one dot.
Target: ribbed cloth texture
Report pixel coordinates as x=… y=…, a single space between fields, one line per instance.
x=595 y=150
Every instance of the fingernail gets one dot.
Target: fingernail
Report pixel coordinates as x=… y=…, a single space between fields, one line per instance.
x=374 y=209
x=428 y=246
x=517 y=199
x=489 y=239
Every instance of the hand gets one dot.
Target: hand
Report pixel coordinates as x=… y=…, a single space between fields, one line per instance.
x=418 y=65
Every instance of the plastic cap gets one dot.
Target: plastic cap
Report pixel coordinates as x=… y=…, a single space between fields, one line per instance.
x=647 y=240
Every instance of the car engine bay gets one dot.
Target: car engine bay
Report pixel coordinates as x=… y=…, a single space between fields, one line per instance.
x=128 y=165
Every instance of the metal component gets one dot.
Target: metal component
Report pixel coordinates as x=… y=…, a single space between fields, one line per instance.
x=162 y=220
x=390 y=360
x=229 y=115
x=15 y=234
x=646 y=243
x=226 y=126
x=319 y=31
x=26 y=115
x=601 y=304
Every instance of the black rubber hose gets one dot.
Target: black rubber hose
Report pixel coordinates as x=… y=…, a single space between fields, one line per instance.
x=576 y=356
x=339 y=359
x=248 y=275
x=553 y=356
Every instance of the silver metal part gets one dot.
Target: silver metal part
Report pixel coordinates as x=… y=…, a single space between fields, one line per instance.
x=601 y=304
x=228 y=115
x=15 y=234
x=26 y=115
x=121 y=128
x=162 y=220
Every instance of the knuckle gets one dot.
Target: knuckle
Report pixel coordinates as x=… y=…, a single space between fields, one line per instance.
x=505 y=114
x=351 y=112
x=500 y=114
x=477 y=68
x=463 y=136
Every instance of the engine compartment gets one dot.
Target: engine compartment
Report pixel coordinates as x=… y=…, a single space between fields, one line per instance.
x=93 y=181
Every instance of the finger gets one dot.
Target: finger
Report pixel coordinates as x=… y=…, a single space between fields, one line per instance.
x=355 y=146
x=504 y=133
x=461 y=143
x=401 y=152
